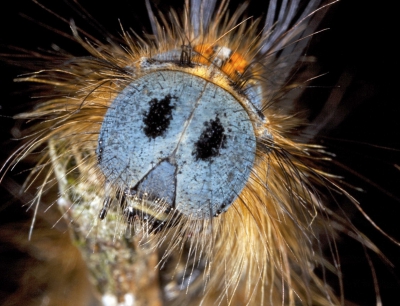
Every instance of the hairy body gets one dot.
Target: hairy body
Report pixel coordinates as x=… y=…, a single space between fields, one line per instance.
x=262 y=250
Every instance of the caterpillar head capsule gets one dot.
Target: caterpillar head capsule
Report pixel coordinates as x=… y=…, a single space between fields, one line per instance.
x=177 y=135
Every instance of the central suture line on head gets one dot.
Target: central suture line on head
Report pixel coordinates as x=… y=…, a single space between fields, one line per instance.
x=187 y=122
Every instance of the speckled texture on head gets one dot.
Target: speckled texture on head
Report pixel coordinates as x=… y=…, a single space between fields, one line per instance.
x=208 y=139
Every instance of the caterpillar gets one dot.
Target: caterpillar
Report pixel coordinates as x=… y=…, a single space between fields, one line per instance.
x=182 y=165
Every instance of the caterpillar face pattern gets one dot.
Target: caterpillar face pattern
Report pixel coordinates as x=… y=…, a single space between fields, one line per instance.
x=169 y=134
x=180 y=164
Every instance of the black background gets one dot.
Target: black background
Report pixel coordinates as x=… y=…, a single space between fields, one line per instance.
x=360 y=42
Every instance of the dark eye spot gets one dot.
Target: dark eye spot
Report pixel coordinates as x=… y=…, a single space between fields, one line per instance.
x=159 y=116
x=211 y=140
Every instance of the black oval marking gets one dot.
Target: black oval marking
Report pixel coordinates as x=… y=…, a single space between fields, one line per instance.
x=159 y=116
x=211 y=140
